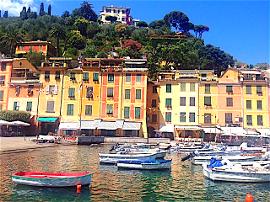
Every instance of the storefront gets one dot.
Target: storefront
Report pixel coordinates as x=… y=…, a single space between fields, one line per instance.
x=48 y=125
x=110 y=128
x=188 y=131
x=69 y=128
x=89 y=128
x=131 y=129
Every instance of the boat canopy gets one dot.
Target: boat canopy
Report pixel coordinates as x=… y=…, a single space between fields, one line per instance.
x=47 y=119
x=90 y=125
x=132 y=126
x=69 y=126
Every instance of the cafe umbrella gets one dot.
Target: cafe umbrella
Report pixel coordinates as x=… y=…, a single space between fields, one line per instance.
x=19 y=124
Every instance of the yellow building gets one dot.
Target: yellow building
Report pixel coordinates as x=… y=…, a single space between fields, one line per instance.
x=51 y=94
x=255 y=99
x=5 y=73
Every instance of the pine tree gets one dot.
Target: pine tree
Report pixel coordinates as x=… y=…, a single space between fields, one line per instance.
x=23 y=14
x=5 y=15
x=28 y=13
x=41 y=10
x=50 y=10
x=0 y=14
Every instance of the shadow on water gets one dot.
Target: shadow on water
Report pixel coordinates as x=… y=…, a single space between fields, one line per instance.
x=31 y=193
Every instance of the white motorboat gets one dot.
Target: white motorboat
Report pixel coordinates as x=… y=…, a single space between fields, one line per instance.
x=199 y=160
x=158 y=164
x=114 y=158
x=238 y=173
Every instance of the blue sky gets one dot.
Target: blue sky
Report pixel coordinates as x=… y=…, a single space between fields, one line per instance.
x=239 y=27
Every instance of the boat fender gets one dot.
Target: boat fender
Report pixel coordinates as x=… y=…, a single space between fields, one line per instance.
x=79 y=188
x=249 y=198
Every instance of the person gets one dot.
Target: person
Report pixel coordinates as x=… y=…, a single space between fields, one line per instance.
x=37 y=138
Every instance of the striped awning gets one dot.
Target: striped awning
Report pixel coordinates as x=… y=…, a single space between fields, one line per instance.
x=131 y=126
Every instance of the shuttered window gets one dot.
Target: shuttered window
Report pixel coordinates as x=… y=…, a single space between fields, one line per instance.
x=70 y=109
x=71 y=92
x=138 y=94
x=50 y=107
x=126 y=112
x=137 y=112
x=88 y=110
x=127 y=93
x=29 y=106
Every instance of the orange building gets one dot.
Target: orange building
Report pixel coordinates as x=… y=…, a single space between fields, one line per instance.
x=5 y=73
x=230 y=105
x=44 y=47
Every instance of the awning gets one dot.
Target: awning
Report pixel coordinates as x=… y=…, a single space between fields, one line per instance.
x=188 y=127
x=90 y=125
x=109 y=125
x=47 y=119
x=20 y=123
x=233 y=131
x=212 y=130
x=264 y=131
x=131 y=126
x=69 y=126
x=167 y=128
x=3 y=122
x=251 y=132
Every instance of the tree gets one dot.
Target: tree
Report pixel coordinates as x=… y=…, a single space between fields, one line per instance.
x=10 y=39
x=49 y=9
x=5 y=15
x=76 y=40
x=65 y=14
x=23 y=14
x=0 y=14
x=110 y=18
x=41 y=10
x=178 y=20
x=81 y=24
x=199 y=30
x=15 y=116
x=131 y=44
x=28 y=12
x=85 y=11
x=141 y=24
x=58 y=32
x=35 y=58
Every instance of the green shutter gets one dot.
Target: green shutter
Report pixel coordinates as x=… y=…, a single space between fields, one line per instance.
x=70 y=108
x=29 y=106
x=126 y=112
x=95 y=77
x=137 y=112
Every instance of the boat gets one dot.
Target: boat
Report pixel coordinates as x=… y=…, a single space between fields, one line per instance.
x=47 y=179
x=158 y=164
x=237 y=172
x=199 y=160
x=193 y=148
x=114 y=158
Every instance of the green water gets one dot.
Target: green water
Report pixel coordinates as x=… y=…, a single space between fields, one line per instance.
x=184 y=182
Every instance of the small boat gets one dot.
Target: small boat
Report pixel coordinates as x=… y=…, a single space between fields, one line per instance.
x=46 y=179
x=237 y=172
x=199 y=160
x=158 y=164
x=114 y=158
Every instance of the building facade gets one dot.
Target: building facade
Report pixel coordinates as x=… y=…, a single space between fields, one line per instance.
x=122 y=14
x=5 y=74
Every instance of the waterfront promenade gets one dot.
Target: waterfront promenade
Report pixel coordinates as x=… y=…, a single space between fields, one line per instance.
x=19 y=144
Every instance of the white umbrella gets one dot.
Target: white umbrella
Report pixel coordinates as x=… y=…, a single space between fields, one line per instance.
x=20 y=123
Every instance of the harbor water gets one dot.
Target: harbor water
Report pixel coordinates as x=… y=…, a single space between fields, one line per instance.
x=184 y=182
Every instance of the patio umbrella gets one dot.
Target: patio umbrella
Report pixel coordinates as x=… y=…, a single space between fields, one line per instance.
x=19 y=123
x=3 y=122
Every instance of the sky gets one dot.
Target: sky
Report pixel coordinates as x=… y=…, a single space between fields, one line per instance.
x=239 y=27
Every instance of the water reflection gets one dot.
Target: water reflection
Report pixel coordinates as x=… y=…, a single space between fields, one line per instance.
x=183 y=182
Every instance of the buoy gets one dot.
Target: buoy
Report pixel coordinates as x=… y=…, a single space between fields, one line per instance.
x=79 y=188
x=249 y=198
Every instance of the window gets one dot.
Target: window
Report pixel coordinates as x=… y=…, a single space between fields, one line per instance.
x=207 y=88
x=229 y=102
x=154 y=89
x=1 y=95
x=126 y=112
x=168 y=88
x=2 y=80
x=137 y=112
x=128 y=77
x=249 y=120
x=89 y=92
x=138 y=78
x=248 y=89
x=259 y=120
x=70 y=109
x=154 y=103
x=259 y=105
x=72 y=76
x=154 y=118
x=207 y=101
x=47 y=75
x=71 y=92
x=192 y=101
x=51 y=89
x=168 y=116
x=191 y=117
x=192 y=87
x=29 y=106
x=88 y=110
x=110 y=78
x=248 y=104
x=183 y=117
x=138 y=94
x=229 y=89
x=168 y=103
x=57 y=75
x=182 y=101
x=50 y=107
x=228 y=118
x=109 y=109
x=3 y=66
x=127 y=94
x=109 y=92
x=95 y=76
x=259 y=90
x=16 y=106
x=207 y=118
x=182 y=87
x=86 y=76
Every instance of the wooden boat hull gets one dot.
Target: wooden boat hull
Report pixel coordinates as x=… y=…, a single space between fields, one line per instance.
x=156 y=165
x=48 y=180
x=232 y=176
x=114 y=158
